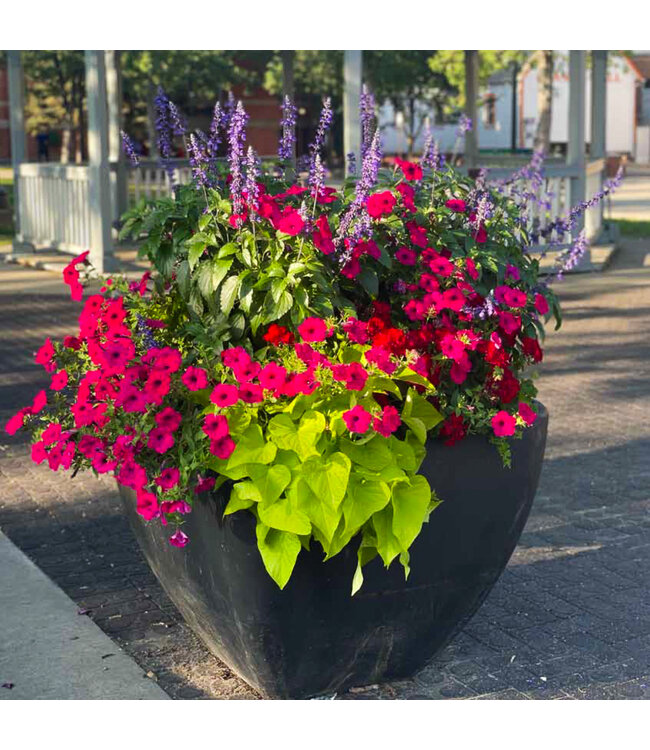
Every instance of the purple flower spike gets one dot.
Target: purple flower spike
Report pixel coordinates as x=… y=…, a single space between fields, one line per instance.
x=288 y=125
x=129 y=149
x=236 y=140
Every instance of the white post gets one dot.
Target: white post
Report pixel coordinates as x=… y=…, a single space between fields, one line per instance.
x=115 y=151
x=17 y=125
x=352 y=75
x=576 y=146
x=471 y=99
x=99 y=187
x=598 y=104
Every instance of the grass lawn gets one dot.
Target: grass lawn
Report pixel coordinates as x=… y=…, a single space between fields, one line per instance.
x=633 y=228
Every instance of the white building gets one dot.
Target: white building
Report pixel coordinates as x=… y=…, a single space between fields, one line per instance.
x=501 y=111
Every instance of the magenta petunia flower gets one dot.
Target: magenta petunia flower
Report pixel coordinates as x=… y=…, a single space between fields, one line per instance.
x=179 y=539
x=224 y=395
x=160 y=440
x=503 y=424
x=313 y=330
x=195 y=378
x=357 y=419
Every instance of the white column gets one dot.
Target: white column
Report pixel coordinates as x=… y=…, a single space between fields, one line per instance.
x=17 y=125
x=352 y=75
x=576 y=146
x=598 y=103
x=115 y=151
x=471 y=110
x=99 y=192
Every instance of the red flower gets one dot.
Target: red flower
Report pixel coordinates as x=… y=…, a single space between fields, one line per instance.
x=236 y=356
x=381 y=204
x=526 y=413
x=277 y=335
x=441 y=266
x=247 y=371
x=417 y=234
x=168 y=419
x=215 y=426
x=453 y=299
x=168 y=478
x=222 y=447
x=353 y=375
x=17 y=421
x=406 y=256
x=224 y=395
x=389 y=421
x=541 y=304
x=313 y=329
x=532 y=348
x=160 y=440
x=411 y=170
x=179 y=538
x=59 y=380
x=509 y=323
x=322 y=236
x=357 y=419
x=456 y=205
x=45 y=356
x=147 y=505
x=291 y=222
x=195 y=378
x=503 y=424
x=272 y=377
x=453 y=429
x=203 y=485
x=251 y=394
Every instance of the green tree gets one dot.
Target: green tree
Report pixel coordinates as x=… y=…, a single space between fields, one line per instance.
x=407 y=80
x=56 y=89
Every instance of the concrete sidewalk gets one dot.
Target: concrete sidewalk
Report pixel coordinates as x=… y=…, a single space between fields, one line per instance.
x=50 y=650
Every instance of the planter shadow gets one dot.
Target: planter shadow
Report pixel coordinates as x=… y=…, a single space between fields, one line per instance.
x=313 y=637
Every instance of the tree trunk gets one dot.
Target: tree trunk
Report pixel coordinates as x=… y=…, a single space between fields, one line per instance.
x=544 y=100
x=66 y=142
x=151 y=121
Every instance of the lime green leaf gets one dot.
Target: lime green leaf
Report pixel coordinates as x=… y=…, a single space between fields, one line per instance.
x=367 y=551
x=246 y=491
x=377 y=384
x=238 y=502
x=363 y=498
x=322 y=514
x=252 y=448
x=283 y=514
x=279 y=550
x=229 y=293
x=374 y=455
x=271 y=482
x=328 y=477
x=302 y=437
x=410 y=503
x=417 y=425
x=388 y=545
x=418 y=407
x=403 y=453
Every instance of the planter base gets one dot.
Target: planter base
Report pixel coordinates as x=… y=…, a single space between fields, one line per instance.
x=313 y=637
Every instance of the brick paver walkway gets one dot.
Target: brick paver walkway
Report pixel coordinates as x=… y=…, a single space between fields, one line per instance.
x=569 y=618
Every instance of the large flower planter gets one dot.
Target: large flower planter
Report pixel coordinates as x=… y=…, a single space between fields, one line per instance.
x=313 y=637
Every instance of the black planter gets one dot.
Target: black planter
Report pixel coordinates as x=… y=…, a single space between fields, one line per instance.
x=313 y=637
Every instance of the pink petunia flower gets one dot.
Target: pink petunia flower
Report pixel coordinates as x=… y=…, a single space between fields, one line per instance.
x=357 y=419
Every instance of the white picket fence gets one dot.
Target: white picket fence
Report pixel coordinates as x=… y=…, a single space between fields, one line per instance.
x=53 y=206
x=150 y=181
x=558 y=179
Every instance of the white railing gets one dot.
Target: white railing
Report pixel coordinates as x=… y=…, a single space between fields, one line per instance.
x=558 y=180
x=53 y=206
x=150 y=181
